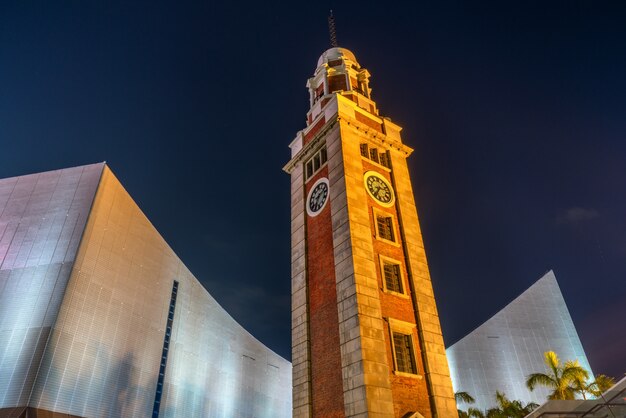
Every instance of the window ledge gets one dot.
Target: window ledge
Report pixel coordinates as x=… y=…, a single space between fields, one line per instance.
x=391 y=292
x=411 y=375
x=394 y=243
x=379 y=165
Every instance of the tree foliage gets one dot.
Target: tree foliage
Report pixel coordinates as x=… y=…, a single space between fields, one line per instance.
x=564 y=379
x=560 y=378
x=463 y=397
x=506 y=409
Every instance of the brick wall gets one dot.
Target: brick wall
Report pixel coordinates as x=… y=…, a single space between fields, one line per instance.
x=327 y=389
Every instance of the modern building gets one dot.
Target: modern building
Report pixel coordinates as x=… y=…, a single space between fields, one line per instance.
x=366 y=334
x=502 y=352
x=99 y=317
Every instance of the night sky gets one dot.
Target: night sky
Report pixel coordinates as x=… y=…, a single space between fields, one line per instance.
x=516 y=112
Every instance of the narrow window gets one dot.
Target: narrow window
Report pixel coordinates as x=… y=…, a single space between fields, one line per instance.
x=335 y=63
x=337 y=83
x=316 y=162
x=364 y=151
x=374 y=154
x=363 y=89
x=384 y=159
x=405 y=360
x=393 y=280
x=385 y=227
x=166 y=346
x=320 y=91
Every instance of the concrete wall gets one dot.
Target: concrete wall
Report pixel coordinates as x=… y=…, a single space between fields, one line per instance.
x=502 y=352
x=103 y=356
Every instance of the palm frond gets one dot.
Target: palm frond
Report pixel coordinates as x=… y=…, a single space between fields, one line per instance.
x=573 y=370
x=580 y=385
x=494 y=413
x=551 y=360
x=501 y=399
x=474 y=412
x=563 y=393
x=530 y=407
x=532 y=380
x=601 y=384
x=463 y=414
x=463 y=397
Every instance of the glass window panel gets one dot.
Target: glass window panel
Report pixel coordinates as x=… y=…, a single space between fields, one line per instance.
x=405 y=360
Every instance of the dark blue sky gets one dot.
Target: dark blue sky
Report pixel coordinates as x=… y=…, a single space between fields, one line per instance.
x=517 y=112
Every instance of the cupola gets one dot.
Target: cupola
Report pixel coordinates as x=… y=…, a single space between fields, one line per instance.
x=338 y=72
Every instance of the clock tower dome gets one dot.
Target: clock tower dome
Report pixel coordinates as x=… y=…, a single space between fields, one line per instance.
x=366 y=338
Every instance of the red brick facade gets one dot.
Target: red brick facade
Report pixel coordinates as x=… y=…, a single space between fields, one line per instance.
x=369 y=122
x=327 y=386
x=314 y=130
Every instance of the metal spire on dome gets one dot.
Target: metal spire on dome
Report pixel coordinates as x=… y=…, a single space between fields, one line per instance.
x=331 y=30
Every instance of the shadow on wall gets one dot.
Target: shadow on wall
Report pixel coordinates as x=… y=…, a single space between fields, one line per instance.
x=106 y=386
x=91 y=379
x=130 y=398
x=98 y=386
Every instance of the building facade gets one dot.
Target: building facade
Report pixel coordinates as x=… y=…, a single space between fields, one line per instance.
x=99 y=317
x=502 y=352
x=366 y=335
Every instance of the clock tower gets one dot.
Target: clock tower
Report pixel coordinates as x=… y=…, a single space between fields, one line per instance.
x=366 y=338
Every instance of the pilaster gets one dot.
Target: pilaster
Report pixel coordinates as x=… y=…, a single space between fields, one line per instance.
x=300 y=339
x=429 y=329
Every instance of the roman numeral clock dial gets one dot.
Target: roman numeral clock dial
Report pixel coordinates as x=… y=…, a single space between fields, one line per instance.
x=379 y=188
x=317 y=198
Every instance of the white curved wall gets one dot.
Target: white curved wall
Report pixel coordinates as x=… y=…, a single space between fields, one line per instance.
x=503 y=351
x=104 y=352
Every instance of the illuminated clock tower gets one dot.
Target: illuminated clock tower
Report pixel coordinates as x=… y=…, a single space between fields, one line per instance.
x=366 y=338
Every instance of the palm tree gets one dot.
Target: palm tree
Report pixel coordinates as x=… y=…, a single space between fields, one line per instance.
x=512 y=409
x=580 y=385
x=474 y=412
x=596 y=388
x=600 y=385
x=560 y=378
x=463 y=397
x=506 y=409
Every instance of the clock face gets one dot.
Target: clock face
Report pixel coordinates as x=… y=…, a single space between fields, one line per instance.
x=379 y=188
x=318 y=196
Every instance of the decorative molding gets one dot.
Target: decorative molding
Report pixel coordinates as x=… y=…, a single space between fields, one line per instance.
x=311 y=148
x=378 y=138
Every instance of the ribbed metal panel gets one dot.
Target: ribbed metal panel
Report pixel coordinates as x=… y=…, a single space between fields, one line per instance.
x=42 y=218
x=104 y=308
x=502 y=352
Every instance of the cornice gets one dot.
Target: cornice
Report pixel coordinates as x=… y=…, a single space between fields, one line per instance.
x=309 y=149
x=378 y=138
